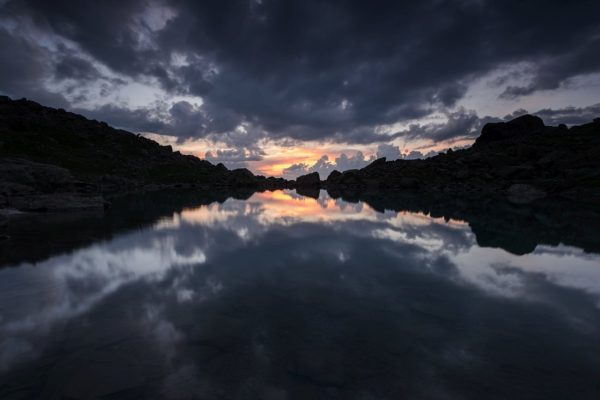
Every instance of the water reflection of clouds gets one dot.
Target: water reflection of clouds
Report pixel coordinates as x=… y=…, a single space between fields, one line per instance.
x=240 y=274
x=67 y=286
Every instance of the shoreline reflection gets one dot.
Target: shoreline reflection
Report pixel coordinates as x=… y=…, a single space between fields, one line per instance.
x=299 y=297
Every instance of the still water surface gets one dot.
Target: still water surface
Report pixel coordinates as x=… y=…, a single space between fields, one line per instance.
x=282 y=296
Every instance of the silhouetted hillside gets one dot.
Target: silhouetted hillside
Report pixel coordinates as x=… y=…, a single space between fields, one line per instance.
x=93 y=150
x=51 y=159
x=522 y=159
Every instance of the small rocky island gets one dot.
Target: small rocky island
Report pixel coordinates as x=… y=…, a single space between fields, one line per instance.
x=54 y=160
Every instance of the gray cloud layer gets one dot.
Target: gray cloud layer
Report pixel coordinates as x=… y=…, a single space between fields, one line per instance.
x=304 y=70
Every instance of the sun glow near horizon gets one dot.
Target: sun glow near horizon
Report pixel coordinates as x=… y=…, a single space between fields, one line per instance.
x=276 y=158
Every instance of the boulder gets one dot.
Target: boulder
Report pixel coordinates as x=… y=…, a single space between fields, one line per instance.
x=242 y=177
x=352 y=177
x=523 y=125
x=334 y=177
x=311 y=179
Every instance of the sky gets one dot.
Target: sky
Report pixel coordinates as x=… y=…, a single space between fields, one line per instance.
x=290 y=87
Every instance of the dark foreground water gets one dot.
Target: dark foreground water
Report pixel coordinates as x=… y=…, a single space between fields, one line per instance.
x=288 y=297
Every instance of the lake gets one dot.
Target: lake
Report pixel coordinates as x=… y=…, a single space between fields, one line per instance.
x=277 y=295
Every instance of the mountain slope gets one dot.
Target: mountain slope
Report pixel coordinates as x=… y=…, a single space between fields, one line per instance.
x=54 y=159
x=92 y=149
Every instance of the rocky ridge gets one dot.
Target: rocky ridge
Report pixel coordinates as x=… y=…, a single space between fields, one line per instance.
x=523 y=160
x=53 y=160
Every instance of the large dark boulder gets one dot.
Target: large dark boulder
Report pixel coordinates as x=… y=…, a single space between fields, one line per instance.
x=523 y=125
x=352 y=177
x=334 y=177
x=241 y=177
x=311 y=179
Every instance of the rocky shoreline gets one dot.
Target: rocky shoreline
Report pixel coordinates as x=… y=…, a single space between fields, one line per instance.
x=495 y=222
x=54 y=160
x=522 y=160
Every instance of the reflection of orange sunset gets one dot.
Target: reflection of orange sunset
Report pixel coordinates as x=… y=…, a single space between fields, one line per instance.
x=287 y=207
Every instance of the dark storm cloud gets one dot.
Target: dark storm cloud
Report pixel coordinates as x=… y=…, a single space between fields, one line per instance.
x=460 y=124
x=556 y=71
x=304 y=69
x=142 y=119
x=569 y=115
x=74 y=67
x=22 y=69
x=182 y=119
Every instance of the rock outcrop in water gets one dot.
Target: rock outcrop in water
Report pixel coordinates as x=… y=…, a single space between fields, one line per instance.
x=309 y=180
x=523 y=160
x=51 y=159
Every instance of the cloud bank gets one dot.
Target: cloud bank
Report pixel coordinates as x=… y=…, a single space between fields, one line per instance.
x=242 y=72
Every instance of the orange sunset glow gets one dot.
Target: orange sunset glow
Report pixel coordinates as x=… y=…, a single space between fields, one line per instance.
x=287 y=207
x=277 y=157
